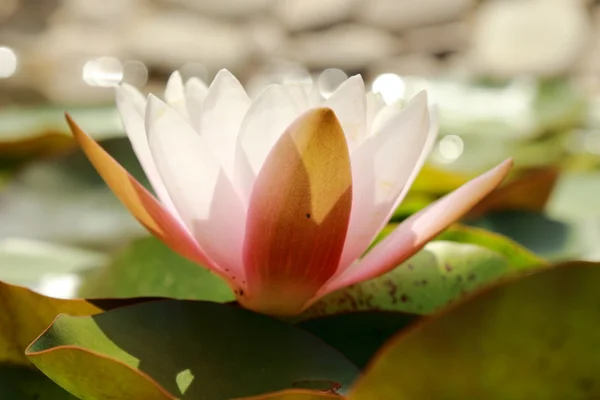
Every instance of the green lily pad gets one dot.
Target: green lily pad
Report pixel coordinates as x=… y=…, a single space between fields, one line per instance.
x=48 y=268
x=294 y=395
x=440 y=273
x=358 y=335
x=25 y=383
x=535 y=337
x=147 y=267
x=63 y=200
x=24 y=314
x=195 y=350
x=517 y=255
x=21 y=124
x=545 y=236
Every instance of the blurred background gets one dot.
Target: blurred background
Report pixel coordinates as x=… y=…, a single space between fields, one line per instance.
x=516 y=78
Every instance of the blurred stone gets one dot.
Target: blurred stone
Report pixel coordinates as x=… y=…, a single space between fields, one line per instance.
x=54 y=63
x=8 y=8
x=453 y=36
x=224 y=8
x=310 y=14
x=29 y=17
x=171 y=39
x=106 y=11
x=410 y=64
x=266 y=35
x=347 y=46
x=543 y=37
x=402 y=14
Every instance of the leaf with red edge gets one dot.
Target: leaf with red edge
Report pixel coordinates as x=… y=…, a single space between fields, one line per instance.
x=192 y=349
x=535 y=337
x=294 y=395
x=25 y=314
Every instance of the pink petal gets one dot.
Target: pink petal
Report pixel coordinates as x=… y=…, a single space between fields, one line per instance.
x=383 y=169
x=348 y=102
x=131 y=106
x=375 y=103
x=298 y=215
x=410 y=236
x=195 y=93
x=203 y=195
x=144 y=207
x=175 y=95
x=266 y=120
x=223 y=109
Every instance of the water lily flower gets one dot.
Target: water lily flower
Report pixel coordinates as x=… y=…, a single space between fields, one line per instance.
x=280 y=195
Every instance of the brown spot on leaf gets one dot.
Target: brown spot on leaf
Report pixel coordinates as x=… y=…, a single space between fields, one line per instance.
x=404 y=298
x=586 y=384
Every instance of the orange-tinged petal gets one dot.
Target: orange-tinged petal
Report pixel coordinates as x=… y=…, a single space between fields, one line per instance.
x=411 y=235
x=298 y=215
x=141 y=203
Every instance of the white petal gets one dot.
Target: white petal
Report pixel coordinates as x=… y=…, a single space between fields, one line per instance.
x=133 y=95
x=375 y=103
x=382 y=169
x=267 y=118
x=223 y=109
x=201 y=192
x=131 y=106
x=383 y=116
x=175 y=95
x=195 y=93
x=315 y=98
x=349 y=105
x=299 y=96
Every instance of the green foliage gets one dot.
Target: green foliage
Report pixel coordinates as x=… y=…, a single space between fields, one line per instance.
x=194 y=350
x=534 y=337
x=147 y=267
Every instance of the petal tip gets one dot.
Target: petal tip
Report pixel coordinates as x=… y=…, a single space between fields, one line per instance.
x=504 y=167
x=224 y=73
x=154 y=102
x=75 y=129
x=420 y=98
x=358 y=78
x=324 y=114
x=175 y=75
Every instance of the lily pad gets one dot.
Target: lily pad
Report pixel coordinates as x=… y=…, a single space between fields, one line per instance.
x=35 y=132
x=50 y=269
x=358 y=335
x=532 y=337
x=195 y=350
x=294 y=395
x=440 y=273
x=63 y=200
x=24 y=314
x=147 y=267
x=518 y=256
x=530 y=191
x=25 y=383
x=542 y=234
